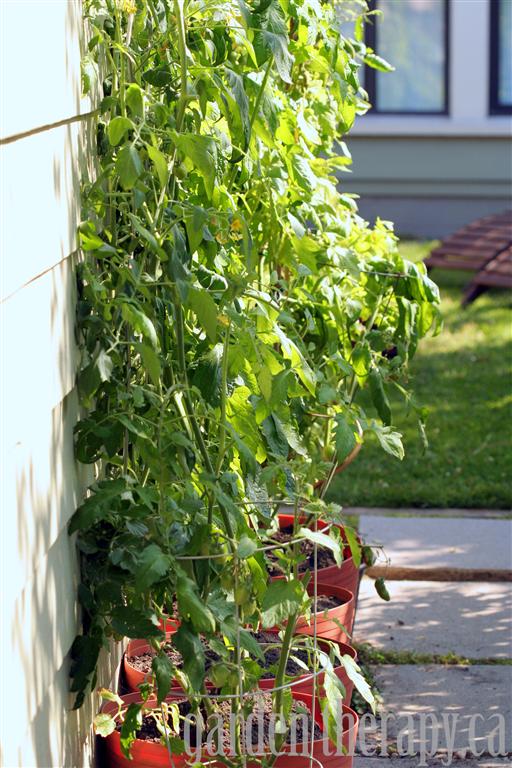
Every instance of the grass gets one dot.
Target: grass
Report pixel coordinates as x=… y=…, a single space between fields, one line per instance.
x=368 y=655
x=464 y=376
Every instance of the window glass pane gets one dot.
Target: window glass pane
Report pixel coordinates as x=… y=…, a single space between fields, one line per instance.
x=505 y=53
x=411 y=36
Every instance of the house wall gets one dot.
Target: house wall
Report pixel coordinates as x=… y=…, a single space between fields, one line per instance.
x=40 y=482
x=432 y=174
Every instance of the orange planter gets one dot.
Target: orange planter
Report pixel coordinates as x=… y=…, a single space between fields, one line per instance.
x=134 y=677
x=334 y=623
x=306 y=684
x=347 y=575
x=146 y=754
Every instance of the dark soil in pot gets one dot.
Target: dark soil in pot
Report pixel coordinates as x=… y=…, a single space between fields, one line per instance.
x=150 y=732
x=325 y=557
x=147 y=753
x=346 y=575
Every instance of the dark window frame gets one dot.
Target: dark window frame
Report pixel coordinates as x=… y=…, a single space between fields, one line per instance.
x=371 y=74
x=495 y=106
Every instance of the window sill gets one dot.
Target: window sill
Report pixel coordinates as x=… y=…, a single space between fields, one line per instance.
x=499 y=126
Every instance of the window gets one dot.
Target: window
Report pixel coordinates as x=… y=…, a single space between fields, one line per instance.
x=501 y=57
x=413 y=36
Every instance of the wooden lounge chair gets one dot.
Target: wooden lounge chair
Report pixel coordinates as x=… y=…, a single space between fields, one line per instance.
x=497 y=273
x=475 y=245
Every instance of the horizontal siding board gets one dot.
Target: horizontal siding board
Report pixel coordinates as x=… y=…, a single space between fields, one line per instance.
x=40 y=63
x=43 y=623
x=41 y=488
x=56 y=735
x=434 y=190
x=435 y=161
x=40 y=192
x=38 y=343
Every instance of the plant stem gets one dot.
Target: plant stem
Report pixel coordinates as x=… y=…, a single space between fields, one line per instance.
x=189 y=407
x=223 y=398
x=182 y=48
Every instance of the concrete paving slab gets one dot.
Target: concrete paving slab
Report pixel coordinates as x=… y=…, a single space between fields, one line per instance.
x=426 y=542
x=435 y=709
x=470 y=619
x=412 y=762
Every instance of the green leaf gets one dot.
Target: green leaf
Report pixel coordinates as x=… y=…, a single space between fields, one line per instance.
x=105 y=365
x=89 y=379
x=97 y=506
x=345 y=438
x=152 y=565
x=133 y=424
x=354 y=544
x=379 y=397
x=84 y=657
x=281 y=600
x=104 y=724
x=192 y=653
x=128 y=166
x=160 y=163
x=242 y=418
x=391 y=441
x=272 y=39
x=90 y=241
x=130 y=622
x=195 y=220
x=299 y=364
x=202 y=151
x=377 y=62
x=140 y=322
x=131 y=724
x=323 y=540
x=304 y=176
x=354 y=674
x=147 y=236
x=361 y=360
x=118 y=128
x=236 y=109
x=164 y=674
x=151 y=362
x=275 y=436
x=192 y=608
x=206 y=310
x=246 y=547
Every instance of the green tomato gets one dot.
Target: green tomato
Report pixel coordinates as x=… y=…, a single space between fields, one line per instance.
x=181 y=171
x=242 y=594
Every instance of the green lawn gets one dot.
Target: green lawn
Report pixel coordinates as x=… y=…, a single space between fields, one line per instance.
x=464 y=376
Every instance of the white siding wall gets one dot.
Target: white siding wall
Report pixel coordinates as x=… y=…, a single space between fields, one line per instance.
x=40 y=482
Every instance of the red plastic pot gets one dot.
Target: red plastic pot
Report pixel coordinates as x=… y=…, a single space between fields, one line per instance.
x=306 y=686
x=134 y=677
x=146 y=754
x=328 y=622
x=346 y=575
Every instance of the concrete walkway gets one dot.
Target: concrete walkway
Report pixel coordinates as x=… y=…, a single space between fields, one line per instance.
x=435 y=713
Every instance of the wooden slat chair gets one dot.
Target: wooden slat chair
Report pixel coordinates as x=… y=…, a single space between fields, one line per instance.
x=497 y=273
x=474 y=245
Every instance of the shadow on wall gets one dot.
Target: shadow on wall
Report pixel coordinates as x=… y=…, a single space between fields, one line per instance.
x=42 y=482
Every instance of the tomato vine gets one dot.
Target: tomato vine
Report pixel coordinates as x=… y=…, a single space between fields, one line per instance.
x=232 y=307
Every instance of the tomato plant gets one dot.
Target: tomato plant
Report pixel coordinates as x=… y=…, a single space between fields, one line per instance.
x=231 y=305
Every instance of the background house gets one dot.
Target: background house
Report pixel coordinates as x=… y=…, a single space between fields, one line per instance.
x=435 y=151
